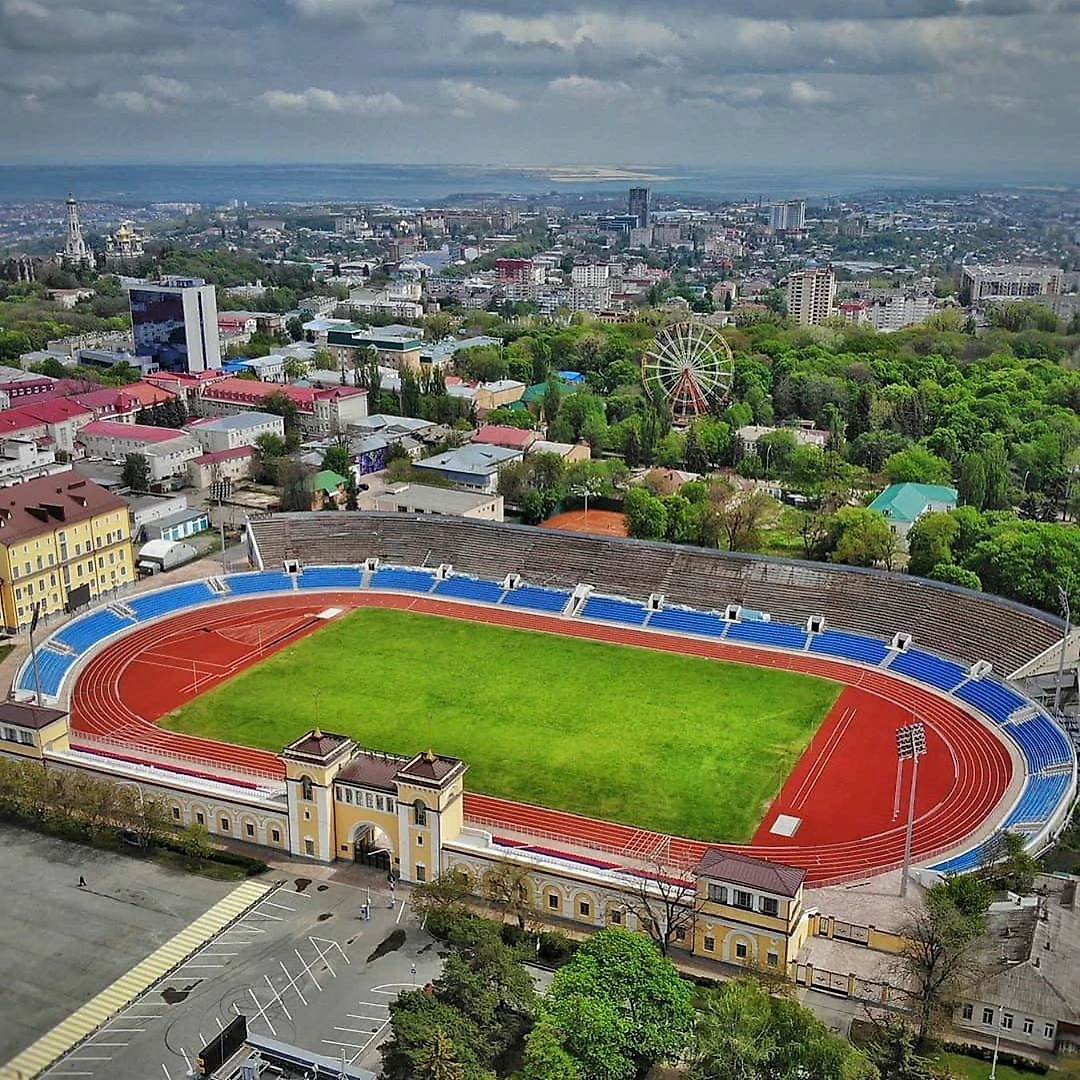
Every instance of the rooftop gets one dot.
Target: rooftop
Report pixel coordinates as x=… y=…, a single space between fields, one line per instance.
x=905 y=502
x=116 y=429
x=34 y=717
x=317 y=745
x=474 y=458
x=431 y=768
x=371 y=769
x=763 y=874
x=225 y=455
x=49 y=502
x=432 y=500
x=503 y=435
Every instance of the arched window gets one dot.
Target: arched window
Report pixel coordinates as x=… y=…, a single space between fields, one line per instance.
x=421 y=812
x=306 y=789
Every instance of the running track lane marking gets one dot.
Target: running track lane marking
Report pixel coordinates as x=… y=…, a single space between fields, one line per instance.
x=985 y=766
x=825 y=755
x=63 y=1038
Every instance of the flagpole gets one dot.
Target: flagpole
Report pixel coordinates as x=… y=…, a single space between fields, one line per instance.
x=33 y=654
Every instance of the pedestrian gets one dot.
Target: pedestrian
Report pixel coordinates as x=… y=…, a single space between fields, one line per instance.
x=365 y=912
x=82 y=882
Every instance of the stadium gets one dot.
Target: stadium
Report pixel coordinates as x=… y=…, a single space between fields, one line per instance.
x=899 y=648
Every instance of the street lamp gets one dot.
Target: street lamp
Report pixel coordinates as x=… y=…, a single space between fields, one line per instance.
x=997 y=1042
x=910 y=744
x=1063 y=596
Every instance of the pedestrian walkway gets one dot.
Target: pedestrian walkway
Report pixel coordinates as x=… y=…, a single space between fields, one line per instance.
x=63 y=1038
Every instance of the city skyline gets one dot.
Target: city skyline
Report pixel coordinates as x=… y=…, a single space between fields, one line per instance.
x=945 y=86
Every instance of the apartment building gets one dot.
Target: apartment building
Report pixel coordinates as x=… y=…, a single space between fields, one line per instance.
x=810 y=295
x=63 y=542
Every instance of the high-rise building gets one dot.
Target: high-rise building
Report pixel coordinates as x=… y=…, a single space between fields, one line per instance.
x=638 y=205
x=76 y=253
x=810 y=295
x=174 y=323
x=590 y=275
x=788 y=216
x=980 y=283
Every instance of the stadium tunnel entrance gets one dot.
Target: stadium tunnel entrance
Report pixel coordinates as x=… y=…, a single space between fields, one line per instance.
x=372 y=847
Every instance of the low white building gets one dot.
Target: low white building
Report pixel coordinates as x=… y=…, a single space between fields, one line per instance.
x=420 y=499
x=23 y=459
x=232 y=432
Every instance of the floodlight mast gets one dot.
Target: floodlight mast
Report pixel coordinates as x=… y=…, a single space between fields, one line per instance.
x=910 y=745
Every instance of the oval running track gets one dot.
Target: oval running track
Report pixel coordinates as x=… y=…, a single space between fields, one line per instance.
x=842 y=790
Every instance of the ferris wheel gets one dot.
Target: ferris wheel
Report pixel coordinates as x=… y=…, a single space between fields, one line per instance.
x=690 y=367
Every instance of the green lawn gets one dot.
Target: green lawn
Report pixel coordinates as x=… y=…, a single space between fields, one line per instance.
x=968 y=1068
x=682 y=745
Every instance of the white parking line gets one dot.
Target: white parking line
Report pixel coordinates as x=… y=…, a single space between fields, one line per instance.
x=88 y=1057
x=95 y=1045
x=266 y=915
x=357 y=1016
x=335 y=1042
x=117 y=1030
x=280 y=907
x=186 y=966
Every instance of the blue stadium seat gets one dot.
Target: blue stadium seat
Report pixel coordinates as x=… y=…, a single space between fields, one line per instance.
x=849 y=646
x=1043 y=743
x=781 y=635
x=403 y=579
x=688 y=621
x=52 y=667
x=612 y=609
x=928 y=668
x=1040 y=799
x=260 y=581
x=330 y=577
x=536 y=598
x=993 y=698
x=87 y=630
x=150 y=605
x=463 y=587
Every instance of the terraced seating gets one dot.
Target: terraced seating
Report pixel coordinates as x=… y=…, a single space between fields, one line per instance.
x=951 y=621
x=1039 y=800
x=86 y=631
x=849 y=646
x=259 y=582
x=687 y=621
x=781 y=635
x=330 y=577
x=928 y=668
x=150 y=605
x=993 y=698
x=52 y=667
x=612 y=609
x=402 y=579
x=1043 y=743
x=464 y=587
x=536 y=598
x=965 y=861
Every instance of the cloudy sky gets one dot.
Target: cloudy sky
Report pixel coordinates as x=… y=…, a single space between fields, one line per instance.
x=935 y=86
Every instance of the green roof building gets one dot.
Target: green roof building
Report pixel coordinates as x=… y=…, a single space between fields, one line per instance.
x=904 y=504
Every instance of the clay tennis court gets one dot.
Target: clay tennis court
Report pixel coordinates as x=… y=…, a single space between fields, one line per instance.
x=595 y=522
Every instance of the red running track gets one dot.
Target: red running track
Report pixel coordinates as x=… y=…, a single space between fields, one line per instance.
x=843 y=790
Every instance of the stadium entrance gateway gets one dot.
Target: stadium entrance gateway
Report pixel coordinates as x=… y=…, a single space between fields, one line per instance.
x=371 y=847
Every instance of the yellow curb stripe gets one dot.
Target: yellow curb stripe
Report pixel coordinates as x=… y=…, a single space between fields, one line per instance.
x=41 y=1054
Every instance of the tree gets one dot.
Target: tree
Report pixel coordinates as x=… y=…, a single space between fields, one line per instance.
x=952 y=574
x=439 y=1060
x=744 y=1032
x=917 y=465
x=938 y=961
x=646 y=516
x=136 y=472
x=294 y=327
x=667 y=904
x=546 y=1057
x=893 y=1050
x=295 y=482
x=293 y=368
x=741 y=516
x=445 y=895
x=1007 y=865
x=338 y=459
x=859 y=536
x=619 y=1005
x=509 y=887
x=280 y=404
x=930 y=542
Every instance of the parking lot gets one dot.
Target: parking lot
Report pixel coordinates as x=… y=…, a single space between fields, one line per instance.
x=303 y=966
x=60 y=944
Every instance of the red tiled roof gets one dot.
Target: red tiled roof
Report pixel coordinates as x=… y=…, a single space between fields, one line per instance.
x=38 y=413
x=147 y=394
x=50 y=502
x=502 y=435
x=755 y=873
x=250 y=392
x=115 y=429
x=118 y=400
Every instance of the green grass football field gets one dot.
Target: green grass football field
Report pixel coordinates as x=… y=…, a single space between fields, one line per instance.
x=678 y=744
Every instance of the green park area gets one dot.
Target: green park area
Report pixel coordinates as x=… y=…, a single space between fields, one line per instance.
x=673 y=743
